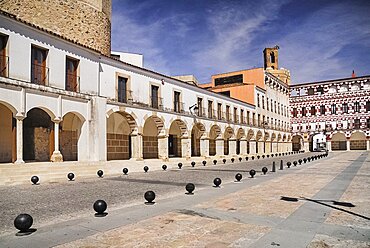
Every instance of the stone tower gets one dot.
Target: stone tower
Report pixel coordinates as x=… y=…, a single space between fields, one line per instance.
x=87 y=22
x=271 y=64
x=271 y=57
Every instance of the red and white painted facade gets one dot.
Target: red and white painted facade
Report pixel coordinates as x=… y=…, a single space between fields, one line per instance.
x=337 y=110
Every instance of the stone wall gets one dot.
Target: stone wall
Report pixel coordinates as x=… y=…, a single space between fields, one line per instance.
x=150 y=147
x=212 y=147
x=338 y=145
x=42 y=144
x=68 y=145
x=226 y=146
x=118 y=146
x=358 y=144
x=85 y=21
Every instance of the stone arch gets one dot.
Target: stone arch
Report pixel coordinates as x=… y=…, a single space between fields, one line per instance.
x=317 y=141
x=7 y=133
x=297 y=142
x=153 y=127
x=177 y=130
x=273 y=137
x=338 y=141
x=358 y=140
x=214 y=132
x=259 y=135
x=240 y=134
x=38 y=135
x=120 y=126
x=197 y=132
x=69 y=135
x=279 y=137
x=9 y=106
x=228 y=134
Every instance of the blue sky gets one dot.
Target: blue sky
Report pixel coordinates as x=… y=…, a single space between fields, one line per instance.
x=318 y=40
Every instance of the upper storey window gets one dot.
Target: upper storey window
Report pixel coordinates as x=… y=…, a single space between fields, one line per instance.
x=333 y=109
x=177 y=106
x=313 y=111
x=345 y=108
x=122 y=89
x=322 y=109
x=311 y=91
x=229 y=80
x=72 y=79
x=156 y=101
x=320 y=90
x=303 y=111
x=3 y=56
x=39 y=71
x=295 y=112
x=258 y=100
x=368 y=106
x=357 y=107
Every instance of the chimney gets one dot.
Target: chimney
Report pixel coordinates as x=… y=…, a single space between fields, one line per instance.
x=353 y=74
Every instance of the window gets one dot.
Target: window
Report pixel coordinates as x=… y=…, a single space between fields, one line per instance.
x=272 y=107
x=322 y=109
x=254 y=119
x=227 y=113
x=258 y=100
x=311 y=92
x=345 y=108
x=272 y=57
x=259 y=120
x=304 y=111
x=155 y=97
x=122 y=89
x=72 y=80
x=3 y=58
x=357 y=107
x=200 y=106
x=236 y=115
x=176 y=102
x=267 y=103
x=39 y=71
x=275 y=106
x=368 y=123
x=210 y=109
x=333 y=109
x=295 y=112
x=242 y=116
x=357 y=123
x=313 y=111
x=219 y=111
x=248 y=116
x=229 y=80
x=320 y=90
x=263 y=102
x=368 y=106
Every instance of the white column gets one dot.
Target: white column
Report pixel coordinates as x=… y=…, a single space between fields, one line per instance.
x=268 y=147
x=274 y=147
x=56 y=156
x=368 y=145
x=186 y=147
x=232 y=147
x=260 y=147
x=243 y=146
x=136 y=146
x=348 y=145
x=329 y=145
x=163 y=147
x=306 y=146
x=19 y=140
x=204 y=147
x=252 y=147
x=219 y=147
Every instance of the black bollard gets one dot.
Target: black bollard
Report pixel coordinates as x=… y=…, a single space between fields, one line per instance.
x=215 y=162
x=217 y=182
x=267 y=156
x=149 y=197
x=295 y=163
x=190 y=188
x=232 y=160
x=288 y=164
x=179 y=165
x=125 y=171
x=238 y=177
x=252 y=173
x=258 y=156
x=240 y=159
x=71 y=176
x=224 y=160
x=273 y=167
x=300 y=161
x=264 y=170
x=192 y=164
x=204 y=163
x=281 y=165
x=263 y=156
x=23 y=222
x=252 y=157
x=164 y=167
x=272 y=155
x=100 y=173
x=304 y=160
x=35 y=179
x=246 y=158
x=146 y=168
x=100 y=206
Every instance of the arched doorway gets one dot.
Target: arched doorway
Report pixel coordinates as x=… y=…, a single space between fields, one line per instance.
x=7 y=134
x=358 y=141
x=297 y=143
x=119 y=128
x=239 y=136
x=38 y=136
x=317 y=142
x=229 y=132
x=258 y=142
x=177 y=130
x=196 y=132
x=273 y=145
x=214 y=132
x=250 y=137
x=152 y=128
x=338 y=142
x=70 y=131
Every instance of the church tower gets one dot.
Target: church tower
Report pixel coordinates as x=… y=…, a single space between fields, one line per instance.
x=271 y=64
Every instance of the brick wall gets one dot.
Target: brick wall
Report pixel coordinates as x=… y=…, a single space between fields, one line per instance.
x=338 y=145
x=358 y=144
x=150 y=147
x=87 y=22
x=68 y=145
x=118 y=146
x=42 y=144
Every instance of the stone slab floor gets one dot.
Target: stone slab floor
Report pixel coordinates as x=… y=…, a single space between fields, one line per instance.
x=324 y=203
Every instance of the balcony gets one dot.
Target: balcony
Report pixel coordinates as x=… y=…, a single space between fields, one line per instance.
x=156 y=103
x=178 y=107
x=126 y=97
x=201 y=112
x=236 y=118
x=72 y=82
x=39 y=74
x=4 y=66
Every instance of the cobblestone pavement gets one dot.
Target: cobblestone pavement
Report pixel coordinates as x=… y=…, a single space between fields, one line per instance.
x=326 y=205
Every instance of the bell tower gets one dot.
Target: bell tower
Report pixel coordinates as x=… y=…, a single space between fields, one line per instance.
x=271 y=56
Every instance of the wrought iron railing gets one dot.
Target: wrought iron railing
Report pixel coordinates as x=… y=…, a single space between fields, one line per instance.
x=4 y=66
x=156 y=102
x=72 y=82
x=39 y=74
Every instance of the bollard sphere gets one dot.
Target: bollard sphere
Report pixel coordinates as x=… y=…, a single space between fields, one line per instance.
x=246 y=158
x=224 y=160
x=149 y=196
x=232 y=160
x=125 y=171
x=238 y=177
x=300 y=161
x=264 y=170
x=23 y=222
x=34 y=179
x=146 y=168
x=71 y=176
x=240 y=159
x=100 y=206
x=288 y=164
x=192 y=164
x=309 y=159
x=304 y=160
x=190 y=188
x=295 y=163
x=263 y=156
x=204 y=162
x=272 y=155
x=215 y=162
x=217 y=181
x=252 y=173
x=164 y=167
x=100 y=173
x=258 y=156
x=267 y=156
x=179 y=165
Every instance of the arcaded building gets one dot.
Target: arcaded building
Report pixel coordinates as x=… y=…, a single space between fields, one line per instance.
x=333 y=114
x=65 y=97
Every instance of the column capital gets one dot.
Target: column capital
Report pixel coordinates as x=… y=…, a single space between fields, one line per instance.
x=57 y=120
x=20 y=116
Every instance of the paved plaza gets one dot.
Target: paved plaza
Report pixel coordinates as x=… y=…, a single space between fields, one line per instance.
x=323 y=203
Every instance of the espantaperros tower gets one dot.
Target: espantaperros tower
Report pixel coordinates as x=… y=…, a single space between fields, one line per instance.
x=87 y=22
